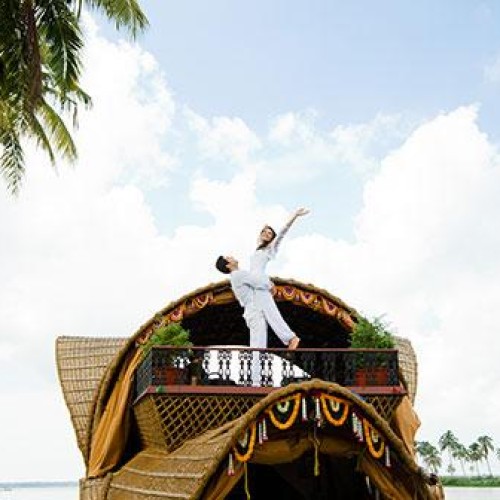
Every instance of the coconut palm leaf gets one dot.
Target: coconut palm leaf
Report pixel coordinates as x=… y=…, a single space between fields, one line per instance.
x=41 y=138
x=63 y=42
x=59 y=133
x=125 y=13
x=40 y=68
x=12 y=159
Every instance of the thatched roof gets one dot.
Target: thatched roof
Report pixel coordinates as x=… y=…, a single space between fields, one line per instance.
x=81 y=365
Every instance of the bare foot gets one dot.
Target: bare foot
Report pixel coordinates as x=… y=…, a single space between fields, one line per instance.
x=294 y=343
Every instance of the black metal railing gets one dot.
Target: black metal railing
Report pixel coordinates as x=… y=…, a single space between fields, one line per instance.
x=245 y=367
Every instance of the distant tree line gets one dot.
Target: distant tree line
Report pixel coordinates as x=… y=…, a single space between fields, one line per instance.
x=473 y=460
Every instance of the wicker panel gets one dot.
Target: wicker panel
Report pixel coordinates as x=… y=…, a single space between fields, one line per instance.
x=94 y=489
x=384 y=405
x=156 y=474
x=408 y=365
x=81 y=363
x=184 y=417
x=149 y=424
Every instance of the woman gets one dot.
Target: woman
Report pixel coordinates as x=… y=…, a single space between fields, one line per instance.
x=267 y=247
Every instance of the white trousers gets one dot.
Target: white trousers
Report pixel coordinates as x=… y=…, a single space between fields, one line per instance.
x=264 y=311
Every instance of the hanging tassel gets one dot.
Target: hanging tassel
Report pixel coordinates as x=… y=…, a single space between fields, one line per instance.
x=361 y=433
x=247 y=491
x=368 y=484
x=316 y=454
x=304 y=409
x=264 y=429
x=230 y=466
x=317 y=414
x=357 y=427
x=387 y=456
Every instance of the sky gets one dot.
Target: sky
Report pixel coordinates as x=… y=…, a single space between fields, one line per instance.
x=383 y=119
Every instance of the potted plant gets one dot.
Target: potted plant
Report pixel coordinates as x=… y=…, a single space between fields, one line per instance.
x=372 y=334
x=172 y=335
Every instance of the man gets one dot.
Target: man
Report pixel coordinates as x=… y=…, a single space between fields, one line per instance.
x=249 y=290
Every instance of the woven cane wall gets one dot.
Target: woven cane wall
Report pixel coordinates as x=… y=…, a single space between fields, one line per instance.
x=94 y=489
x=384 y=405
x=167 y=421
x=81 y=363
x=408 y=365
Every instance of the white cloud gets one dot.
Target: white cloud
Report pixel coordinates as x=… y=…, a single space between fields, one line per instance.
x=223 y=137
x=292 y=128
x=133 y=108
x=299 y=151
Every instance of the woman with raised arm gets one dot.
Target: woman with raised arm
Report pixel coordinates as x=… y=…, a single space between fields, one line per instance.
x=267 y=247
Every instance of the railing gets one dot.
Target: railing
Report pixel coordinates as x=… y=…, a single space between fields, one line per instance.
x=233 y=366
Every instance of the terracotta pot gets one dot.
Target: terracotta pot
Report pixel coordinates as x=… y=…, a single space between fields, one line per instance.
x=371 y=376
x=173 y=375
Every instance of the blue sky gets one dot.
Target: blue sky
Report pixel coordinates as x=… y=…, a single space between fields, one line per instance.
x=382 y=117
x=349 y=60
x=345 y=62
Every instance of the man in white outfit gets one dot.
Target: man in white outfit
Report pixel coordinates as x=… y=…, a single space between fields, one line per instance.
x=259 y=308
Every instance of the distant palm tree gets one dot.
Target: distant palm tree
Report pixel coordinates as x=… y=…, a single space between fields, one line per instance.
x=475 y=453
x=460 y=453
x=486 y=444
x=40 y=66
x=448 y=442
x=498 y=453
x=429 y=454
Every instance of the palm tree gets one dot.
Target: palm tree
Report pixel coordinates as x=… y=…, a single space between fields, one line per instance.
x=429 y=454
x=460 y=453
x=486 y=444
x=40 y=66
x=448 y=442
x=475 y=453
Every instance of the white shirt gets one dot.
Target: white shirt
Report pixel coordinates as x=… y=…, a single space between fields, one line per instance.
x=260 y=258
x=245 y=283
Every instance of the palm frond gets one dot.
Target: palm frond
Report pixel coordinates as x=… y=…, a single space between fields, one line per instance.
x=125 y=13
x=41 y=138
x=63 y=42
x=11 y=160
x=57 y=131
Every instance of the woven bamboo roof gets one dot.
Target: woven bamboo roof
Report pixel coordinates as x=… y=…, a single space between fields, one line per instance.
x=81 y=364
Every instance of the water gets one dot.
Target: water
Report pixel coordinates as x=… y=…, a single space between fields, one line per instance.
x=472 y=493
x=59 y=493
x=71 y=493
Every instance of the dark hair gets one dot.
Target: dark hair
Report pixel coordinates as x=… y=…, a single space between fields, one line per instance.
x=221 y=264
x=264 y=244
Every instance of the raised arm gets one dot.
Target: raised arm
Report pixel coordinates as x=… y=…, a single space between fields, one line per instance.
x=281 y=233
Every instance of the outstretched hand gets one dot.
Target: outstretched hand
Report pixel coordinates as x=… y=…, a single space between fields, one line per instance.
x=301 y=211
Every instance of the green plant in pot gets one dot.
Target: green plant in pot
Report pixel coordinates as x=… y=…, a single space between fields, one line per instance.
x=372 y=334
x=173 y=335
